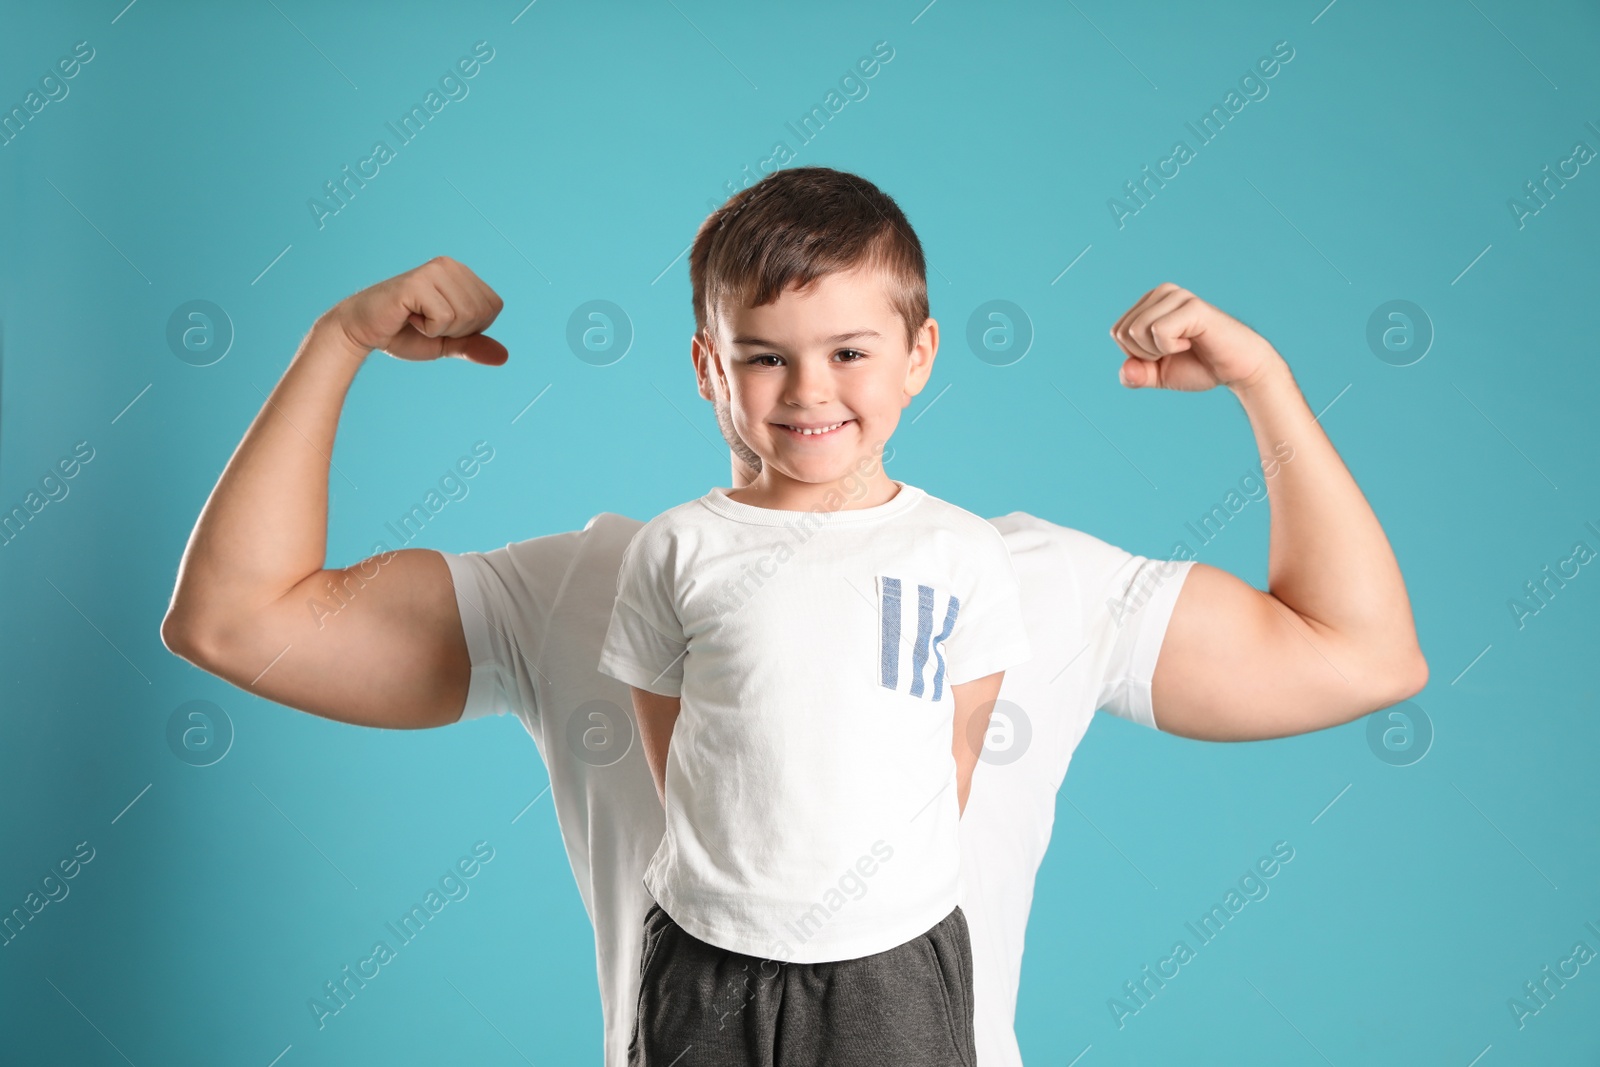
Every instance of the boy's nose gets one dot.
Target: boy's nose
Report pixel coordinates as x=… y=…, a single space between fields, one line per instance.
x=807 y=386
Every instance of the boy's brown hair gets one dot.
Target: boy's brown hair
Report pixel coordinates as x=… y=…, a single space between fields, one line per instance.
x=796 y=225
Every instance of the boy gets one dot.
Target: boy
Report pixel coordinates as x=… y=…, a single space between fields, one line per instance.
x=835 y=641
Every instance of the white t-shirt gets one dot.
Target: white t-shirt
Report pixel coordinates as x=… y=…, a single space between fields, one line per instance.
x=535 y=614
x=811 y=802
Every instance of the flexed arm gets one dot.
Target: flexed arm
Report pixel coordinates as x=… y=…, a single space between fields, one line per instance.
x=396 y=656
x=1332 y=638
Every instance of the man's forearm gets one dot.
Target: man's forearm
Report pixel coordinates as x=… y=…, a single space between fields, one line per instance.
x=264 y=527
x=1329 y=560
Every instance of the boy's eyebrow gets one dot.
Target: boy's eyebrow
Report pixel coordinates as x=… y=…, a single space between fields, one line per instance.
x=837 y=338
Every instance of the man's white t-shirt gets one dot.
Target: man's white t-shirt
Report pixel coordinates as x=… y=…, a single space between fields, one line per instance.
x=811 y=800
x=535 y=614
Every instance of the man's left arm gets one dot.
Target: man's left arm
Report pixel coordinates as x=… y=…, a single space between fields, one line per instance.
x=1332 y=638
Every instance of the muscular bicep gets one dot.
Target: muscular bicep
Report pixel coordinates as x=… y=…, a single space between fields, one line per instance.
x=378 y=643
x=1237 y=664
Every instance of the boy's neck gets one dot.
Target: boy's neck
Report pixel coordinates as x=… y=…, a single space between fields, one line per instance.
x=864 y=485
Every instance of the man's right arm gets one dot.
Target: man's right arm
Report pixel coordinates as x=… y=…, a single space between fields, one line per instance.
x=393 y=653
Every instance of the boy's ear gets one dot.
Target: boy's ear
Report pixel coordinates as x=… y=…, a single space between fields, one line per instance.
x=705 y=365
x=919 y=365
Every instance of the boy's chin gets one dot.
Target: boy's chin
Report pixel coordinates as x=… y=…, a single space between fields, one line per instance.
x=817 y=470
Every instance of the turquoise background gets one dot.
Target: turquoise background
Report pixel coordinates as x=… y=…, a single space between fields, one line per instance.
x=1378 y=168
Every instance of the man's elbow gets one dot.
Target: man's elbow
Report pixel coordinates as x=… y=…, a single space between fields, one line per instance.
x=183 y=639
x=1417 y=678
x=1401 y=680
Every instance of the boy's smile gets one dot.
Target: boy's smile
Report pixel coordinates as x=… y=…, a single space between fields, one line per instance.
x=814 y=381
x=814 y=431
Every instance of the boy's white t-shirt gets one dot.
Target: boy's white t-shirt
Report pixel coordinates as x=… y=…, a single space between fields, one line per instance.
x=535 y=614
x=811 y=802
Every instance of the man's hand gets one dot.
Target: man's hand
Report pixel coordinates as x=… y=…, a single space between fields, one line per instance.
x=438 y=309
x=1175 y=340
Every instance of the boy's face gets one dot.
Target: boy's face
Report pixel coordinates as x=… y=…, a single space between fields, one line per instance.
x=815 y=380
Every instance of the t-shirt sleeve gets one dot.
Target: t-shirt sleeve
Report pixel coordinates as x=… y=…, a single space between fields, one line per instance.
x=990 y=634
x=645 y=643
x=505 y=597
x=1131 y=599
x=1103 y=612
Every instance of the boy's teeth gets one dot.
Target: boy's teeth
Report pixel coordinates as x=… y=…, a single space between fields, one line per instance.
x=819 y=429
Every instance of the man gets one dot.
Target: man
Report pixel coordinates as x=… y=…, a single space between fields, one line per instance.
x=433 y=638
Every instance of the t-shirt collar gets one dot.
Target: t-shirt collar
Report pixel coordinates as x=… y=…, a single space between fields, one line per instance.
x=718 y=501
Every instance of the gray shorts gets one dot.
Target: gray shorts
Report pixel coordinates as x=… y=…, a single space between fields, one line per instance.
x=703 y=1006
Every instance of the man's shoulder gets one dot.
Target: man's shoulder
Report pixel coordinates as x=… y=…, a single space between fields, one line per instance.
x=1029 y=539
x=604 y=535
x=1022 y=530
x=605 y=538
x=941 y=513
x=609 y=524
x=1038 y=543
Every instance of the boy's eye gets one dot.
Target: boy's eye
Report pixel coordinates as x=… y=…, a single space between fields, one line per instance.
x=769 y=359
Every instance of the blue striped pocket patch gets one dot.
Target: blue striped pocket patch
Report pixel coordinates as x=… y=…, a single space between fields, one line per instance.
x=914 y=621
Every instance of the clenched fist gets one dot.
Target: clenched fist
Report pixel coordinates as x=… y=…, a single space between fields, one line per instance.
x=438 y=309
x=1175 y=340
